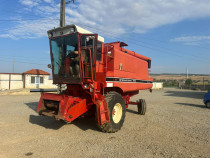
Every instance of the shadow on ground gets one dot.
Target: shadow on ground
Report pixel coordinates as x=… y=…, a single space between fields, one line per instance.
x=51 y=123
x=86 y=123
x=192 y=105
x=46 y=122
x=132 y=111
x=32 y=105
x=186 y=94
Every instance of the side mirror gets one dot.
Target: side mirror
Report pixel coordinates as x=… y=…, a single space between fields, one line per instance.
x=49 y=66
x=149 y=64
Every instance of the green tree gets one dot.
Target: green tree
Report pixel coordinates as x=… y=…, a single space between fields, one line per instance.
x=188 y=82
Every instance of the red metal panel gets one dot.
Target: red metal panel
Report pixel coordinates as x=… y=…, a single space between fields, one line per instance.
x=73 y=111
x=132 y=67
x=123 y=63
x=70 y=108
x=135 y=54
x=102 y=112
x=50 y=96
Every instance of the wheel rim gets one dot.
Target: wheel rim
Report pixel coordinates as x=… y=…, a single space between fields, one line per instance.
x=117 y=113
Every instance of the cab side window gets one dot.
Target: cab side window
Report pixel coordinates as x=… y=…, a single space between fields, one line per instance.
x=99 y=51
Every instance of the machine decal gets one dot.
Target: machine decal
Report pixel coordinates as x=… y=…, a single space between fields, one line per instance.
x=116 y=79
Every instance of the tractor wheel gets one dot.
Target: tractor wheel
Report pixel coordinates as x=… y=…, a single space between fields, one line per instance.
x=117 y=109
x=141 y=107
x=208 y=104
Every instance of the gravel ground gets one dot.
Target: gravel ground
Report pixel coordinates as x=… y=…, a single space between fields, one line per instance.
x=176 y=124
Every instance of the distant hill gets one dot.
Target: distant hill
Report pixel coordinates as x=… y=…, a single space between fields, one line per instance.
x=167 y=76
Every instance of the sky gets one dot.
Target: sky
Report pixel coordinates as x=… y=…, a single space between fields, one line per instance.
x=175 y=34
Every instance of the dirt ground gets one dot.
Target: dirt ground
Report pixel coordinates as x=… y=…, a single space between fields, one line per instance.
x=176 y=124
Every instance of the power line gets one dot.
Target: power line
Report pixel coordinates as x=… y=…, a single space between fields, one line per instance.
x=133 y=41
x=25 y=19
x=19 y=27
x=24 y=58
x=9 y=11
x=111 y=33
x=149 y=47
x=23 y=62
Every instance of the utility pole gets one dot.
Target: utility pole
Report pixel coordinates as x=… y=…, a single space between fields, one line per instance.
x=62 y=13
x=62 y=24
x=203 y=83
x=61 y=87
x=187 y=72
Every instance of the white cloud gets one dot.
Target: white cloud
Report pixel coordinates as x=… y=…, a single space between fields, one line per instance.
x=190 y=38
x=47 y=10
x=30 y=3
x=119 y=16
x=48 y=1
x=31 y=29
x=33 y=3
x=142 y=15
x=192 y=43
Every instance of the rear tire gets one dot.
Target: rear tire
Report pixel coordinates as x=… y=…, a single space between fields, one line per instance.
x=141 y=107
x=117 y=109
x=208 y=104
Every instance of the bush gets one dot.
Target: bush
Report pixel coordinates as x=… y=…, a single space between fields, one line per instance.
x=188 y=82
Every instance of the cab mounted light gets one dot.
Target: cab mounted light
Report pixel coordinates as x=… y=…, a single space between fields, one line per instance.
x=72 y=30
x=50 y=34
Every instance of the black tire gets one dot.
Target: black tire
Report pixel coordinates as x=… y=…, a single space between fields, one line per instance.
x=142 y=107
x=208 y=104
x=113 y=98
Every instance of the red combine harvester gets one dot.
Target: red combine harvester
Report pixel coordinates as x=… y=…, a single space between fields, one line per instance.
x=100 y=78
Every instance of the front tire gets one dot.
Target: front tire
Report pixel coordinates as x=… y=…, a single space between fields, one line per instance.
x=117 y=109
x=208 y=104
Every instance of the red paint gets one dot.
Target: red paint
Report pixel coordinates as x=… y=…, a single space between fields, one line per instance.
x=90 y=93
x=36 y=72
x=69 y=107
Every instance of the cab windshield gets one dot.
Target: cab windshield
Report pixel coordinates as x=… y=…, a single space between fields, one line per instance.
x=65 y=59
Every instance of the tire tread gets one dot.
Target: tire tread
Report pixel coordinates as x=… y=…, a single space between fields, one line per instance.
x=108 y=127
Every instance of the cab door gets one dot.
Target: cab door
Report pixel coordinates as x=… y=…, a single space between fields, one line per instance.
x=88 y=47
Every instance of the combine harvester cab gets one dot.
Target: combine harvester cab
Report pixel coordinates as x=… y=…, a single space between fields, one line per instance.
x=100 y=78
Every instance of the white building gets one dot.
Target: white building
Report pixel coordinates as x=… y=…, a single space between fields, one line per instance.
x=157 y=85
x=32 y=79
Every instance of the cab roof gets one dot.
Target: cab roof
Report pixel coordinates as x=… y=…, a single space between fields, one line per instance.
x=69 y=29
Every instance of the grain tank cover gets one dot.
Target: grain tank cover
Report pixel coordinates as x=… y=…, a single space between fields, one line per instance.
x=60 y=31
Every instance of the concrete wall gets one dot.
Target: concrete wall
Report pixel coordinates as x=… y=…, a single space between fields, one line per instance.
x=157 y=85
x=16 y=81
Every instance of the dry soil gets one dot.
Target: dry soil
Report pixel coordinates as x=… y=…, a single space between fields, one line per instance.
x=176 y=124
